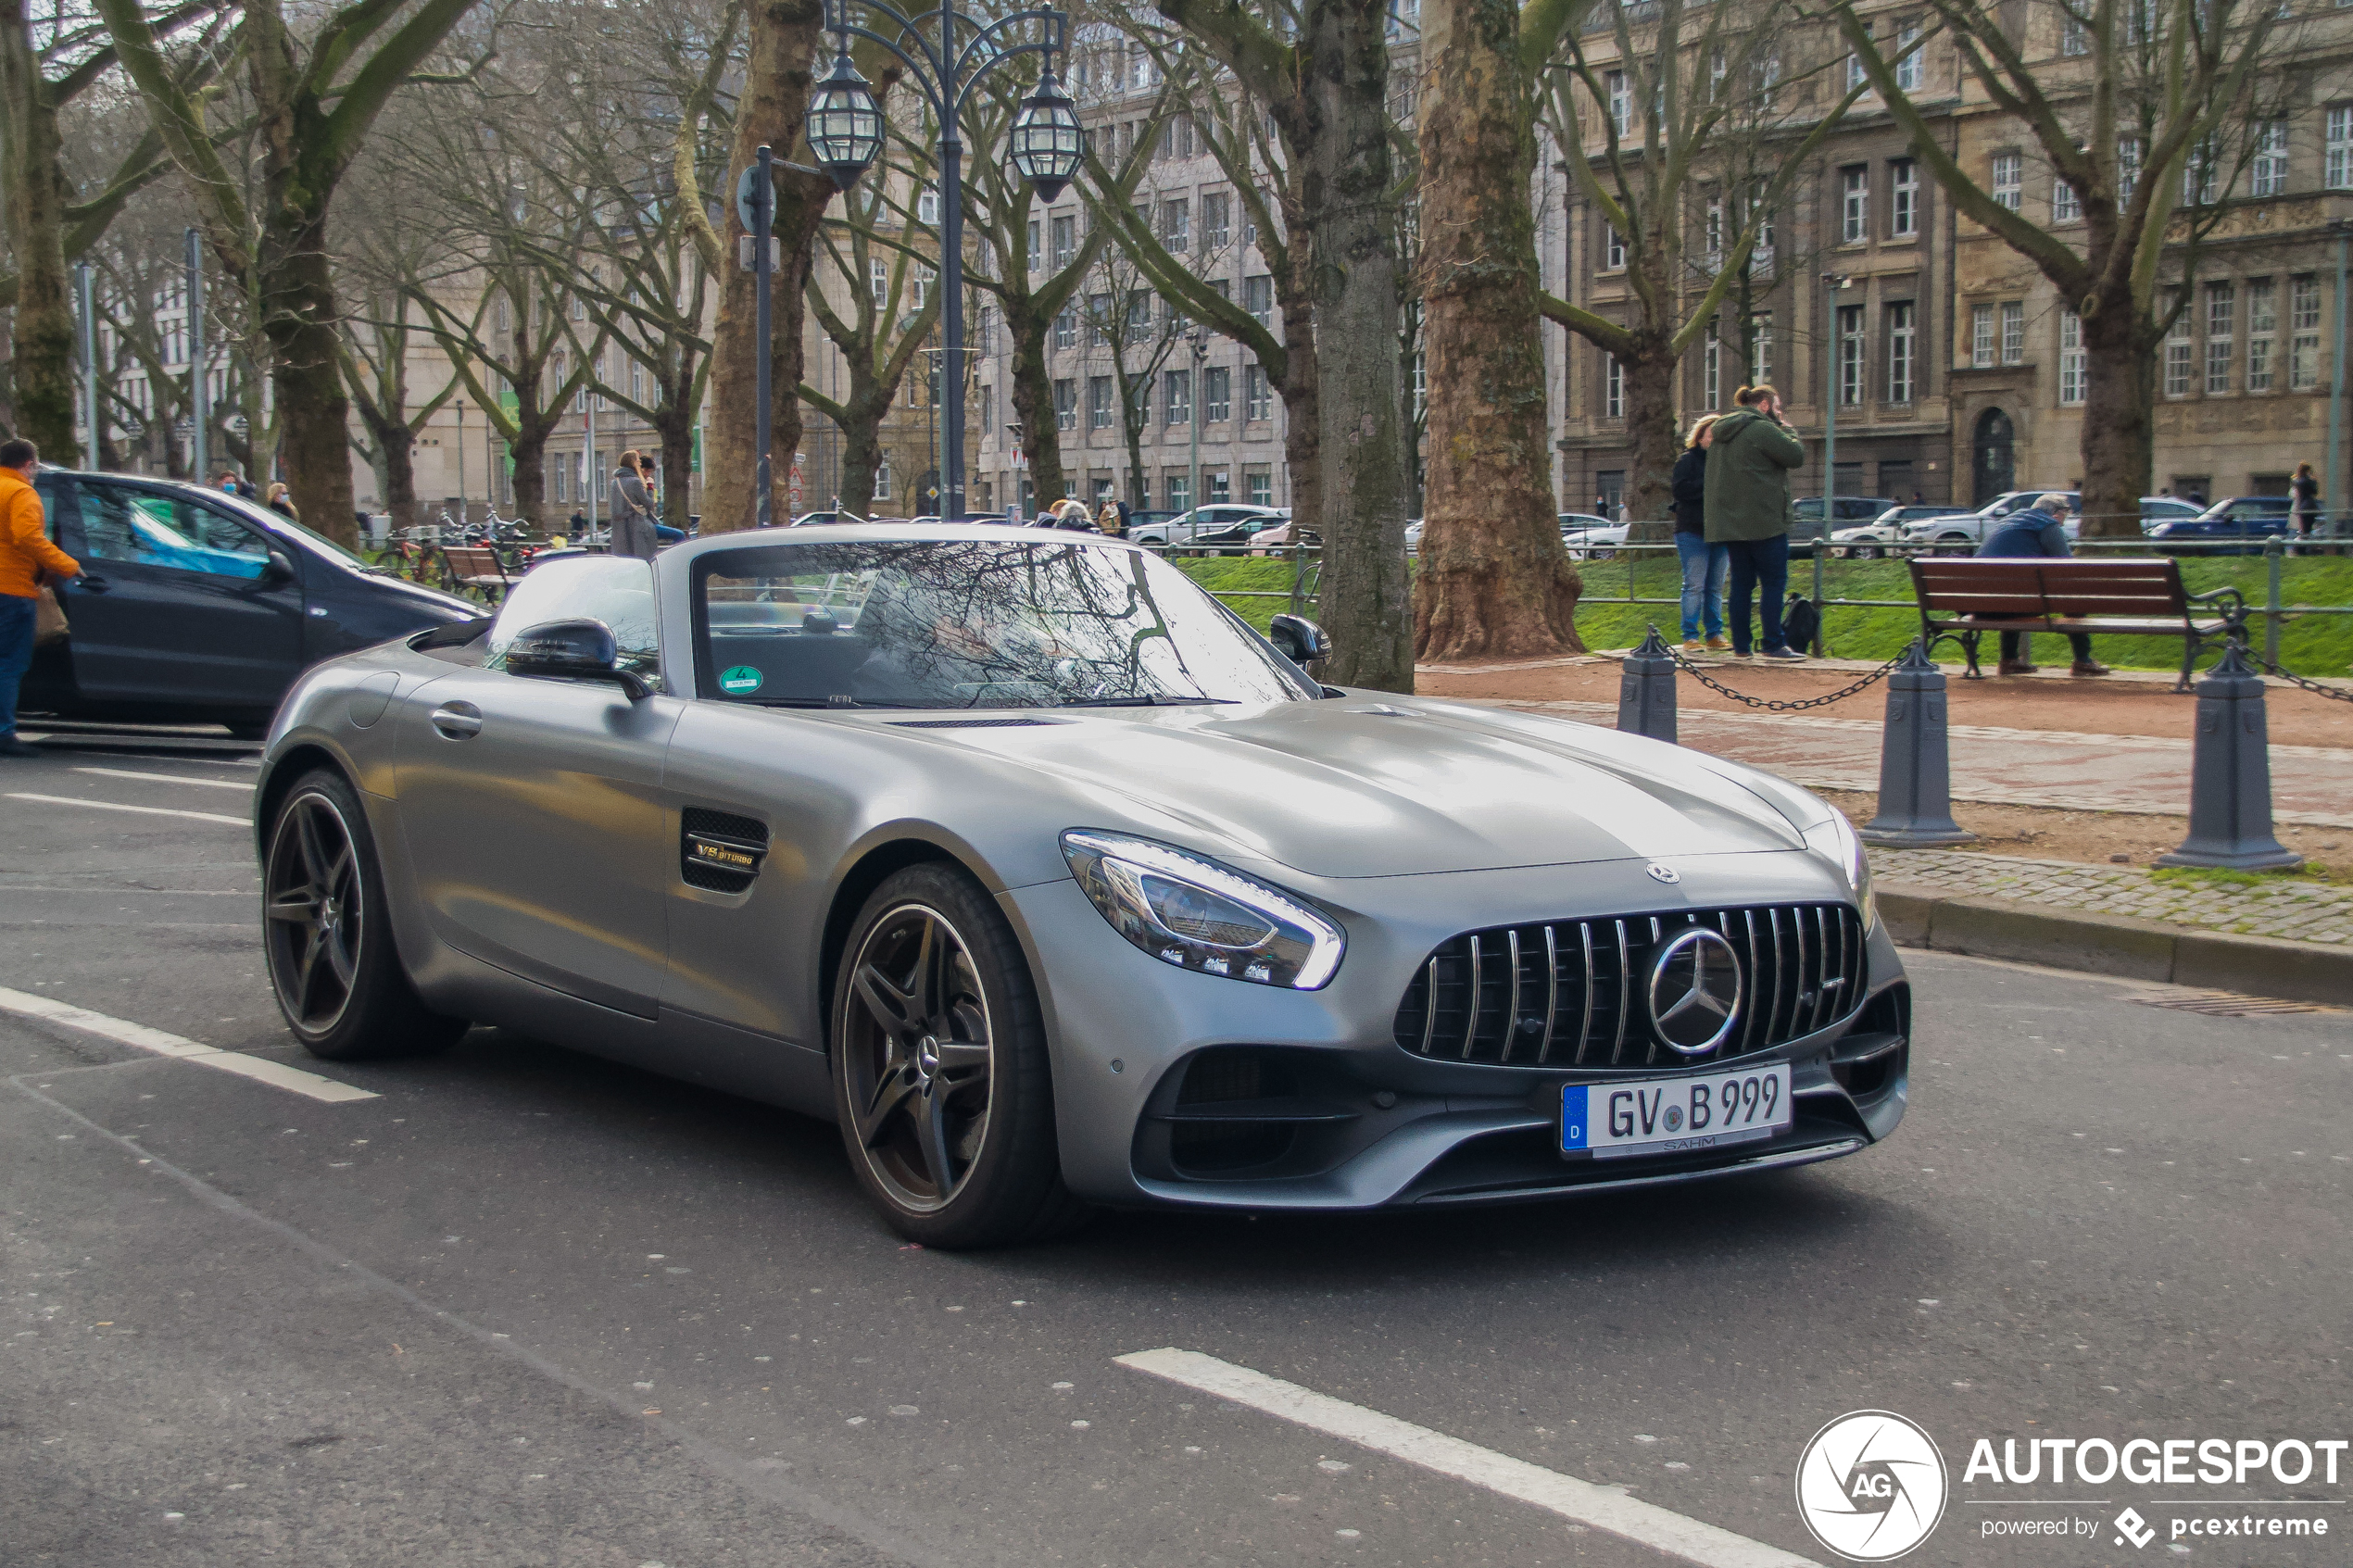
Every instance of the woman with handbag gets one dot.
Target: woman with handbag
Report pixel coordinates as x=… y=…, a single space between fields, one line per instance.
x=633 y=512
x=27 y=561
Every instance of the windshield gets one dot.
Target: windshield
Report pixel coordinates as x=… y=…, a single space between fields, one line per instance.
x=971 y=623
x=280 y=522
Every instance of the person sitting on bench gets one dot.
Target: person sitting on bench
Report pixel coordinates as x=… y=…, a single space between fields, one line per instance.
x=2040 y=530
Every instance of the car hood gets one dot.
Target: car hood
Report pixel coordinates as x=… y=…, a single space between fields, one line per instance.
x=1373 y=786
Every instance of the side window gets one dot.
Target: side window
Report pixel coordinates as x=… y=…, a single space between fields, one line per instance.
x=617 y=590
x=147 y=530
x=55 y=502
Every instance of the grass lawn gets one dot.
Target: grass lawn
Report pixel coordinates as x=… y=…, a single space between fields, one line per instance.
x=2312 y=645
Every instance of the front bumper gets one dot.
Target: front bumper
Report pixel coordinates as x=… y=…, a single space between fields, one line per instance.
x=1182 y=1088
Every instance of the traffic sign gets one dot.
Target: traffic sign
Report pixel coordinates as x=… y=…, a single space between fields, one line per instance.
x=747 y=194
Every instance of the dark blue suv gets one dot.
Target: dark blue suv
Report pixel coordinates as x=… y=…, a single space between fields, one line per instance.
x=2232 y=518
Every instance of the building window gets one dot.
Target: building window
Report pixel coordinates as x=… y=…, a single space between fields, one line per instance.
x=1849 y=355
x=1901 y=347
x=2304 y=326
x=2128 y=168
x=1766 y=72
x=2006 y=188
x=2267 y=175
x=1855 y=74
x=2070 y=357
x=1904 y=197
x=1256 y=396
x=1140 y=315
x=2340 y=148
x=1037 y=253
x=2221 y=315
x=1854 y=204
x=2177 y=353
x=1067 y=327
x=1099 y=321
x=1613 y=248
x=2014 y=331
x=878 y=281
x=1065 y=403
x=1261 y=487
x=1712 y=371
x=1177 y=224
x=882 y=481
x=2202 y=173
x=1216 y=220
x=1176 y=397
x=2262 y=323
x=1065 y=231
x=1761 y=328
x=1613 y=387
x=1099 y=401
x=1980 y=337
x=927 y=205
x=1907 y=67
x=1179 y=487
x=2066 y=206
x=1713 y=233
x=1421 y=382
x=1258 y=298
x=1621 y=101
x=1221 y=486
x=1216 y=393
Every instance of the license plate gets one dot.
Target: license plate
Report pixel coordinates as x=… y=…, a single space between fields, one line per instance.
x=1674 y=1115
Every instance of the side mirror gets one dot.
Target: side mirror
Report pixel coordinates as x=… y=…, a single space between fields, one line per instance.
x=572 y=650
x=279 y=570
x=1299 y=639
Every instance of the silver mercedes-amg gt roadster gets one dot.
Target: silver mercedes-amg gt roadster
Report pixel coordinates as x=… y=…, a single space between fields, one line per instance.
x=1054 y=884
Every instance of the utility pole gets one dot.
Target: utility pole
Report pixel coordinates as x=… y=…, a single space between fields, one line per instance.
x=2336 y=390
x=199 y=389
x=460 y=405
x=1831 y=283
x=588 y=464
x=1198 y=339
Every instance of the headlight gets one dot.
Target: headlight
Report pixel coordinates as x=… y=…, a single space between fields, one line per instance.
x=1190 y=911
x=1837 y=840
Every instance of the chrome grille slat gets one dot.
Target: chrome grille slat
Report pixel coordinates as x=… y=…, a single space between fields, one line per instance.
x=1625 y=996
x=1822 y=990
x=1552 y=992
x=1511 y=1011
x=1585 y=1020
x=1430 y=1012
x=1756 y=983
x=1471 y=1013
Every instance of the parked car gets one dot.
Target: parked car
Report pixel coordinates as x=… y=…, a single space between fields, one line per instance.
x=2166 y=508
x=877 y=824
x=1957 y=529
x=1201 y=525
x=1242 y=533
x=1807 y=529
x=1283 y=536
x=195 y=606
x=1586 y=537
x=2223 y=527
x=1873 y=539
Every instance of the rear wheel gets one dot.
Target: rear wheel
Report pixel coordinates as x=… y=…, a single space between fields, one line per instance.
x=941 y=1081
x=328 y=935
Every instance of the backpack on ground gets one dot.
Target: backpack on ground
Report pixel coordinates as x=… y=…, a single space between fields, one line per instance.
x=1800 y=621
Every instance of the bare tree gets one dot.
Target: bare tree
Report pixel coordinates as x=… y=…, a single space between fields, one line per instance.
x=1127 y=336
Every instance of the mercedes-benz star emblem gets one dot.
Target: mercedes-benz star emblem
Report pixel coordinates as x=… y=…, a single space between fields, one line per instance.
x=1663 y=874
x=1694 y=991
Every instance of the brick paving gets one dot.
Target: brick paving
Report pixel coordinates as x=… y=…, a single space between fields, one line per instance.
x=2282 y=907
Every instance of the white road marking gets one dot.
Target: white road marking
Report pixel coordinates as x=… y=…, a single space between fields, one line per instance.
x=122 y=1031
x=148 y=810
x=1603 y=1508
x=167 y=778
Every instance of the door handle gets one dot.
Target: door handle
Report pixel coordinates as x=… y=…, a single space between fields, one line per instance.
x=457 y=720
x=93 y=585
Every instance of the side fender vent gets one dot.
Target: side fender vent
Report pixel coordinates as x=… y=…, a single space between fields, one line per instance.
x=719 y=852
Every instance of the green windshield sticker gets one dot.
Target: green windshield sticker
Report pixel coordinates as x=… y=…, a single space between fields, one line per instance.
x=740 y=681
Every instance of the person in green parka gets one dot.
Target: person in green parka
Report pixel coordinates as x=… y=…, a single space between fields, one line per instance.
x=1748 y=464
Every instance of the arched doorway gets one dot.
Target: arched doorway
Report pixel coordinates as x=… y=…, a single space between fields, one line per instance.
x=1993 y=468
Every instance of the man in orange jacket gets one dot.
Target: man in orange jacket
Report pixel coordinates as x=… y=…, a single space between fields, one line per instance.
x=26 y=557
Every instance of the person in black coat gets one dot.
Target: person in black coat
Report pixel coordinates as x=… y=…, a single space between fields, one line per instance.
x=1705 y=565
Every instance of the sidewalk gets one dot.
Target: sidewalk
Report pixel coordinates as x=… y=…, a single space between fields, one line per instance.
x=2282 y=907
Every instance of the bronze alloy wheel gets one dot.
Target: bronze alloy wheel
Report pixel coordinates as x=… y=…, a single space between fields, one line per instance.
x=919 y=1057
x=315 y=907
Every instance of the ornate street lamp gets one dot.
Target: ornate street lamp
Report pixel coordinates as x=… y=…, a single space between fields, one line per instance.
x=1045 y=144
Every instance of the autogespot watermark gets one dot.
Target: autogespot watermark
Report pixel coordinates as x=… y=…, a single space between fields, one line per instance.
x=1872 y=1485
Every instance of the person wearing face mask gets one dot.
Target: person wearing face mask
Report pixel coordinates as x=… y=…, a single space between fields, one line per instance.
x=1749 y=454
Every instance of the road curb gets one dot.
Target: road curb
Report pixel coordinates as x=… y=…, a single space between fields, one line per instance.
x=2123 y=945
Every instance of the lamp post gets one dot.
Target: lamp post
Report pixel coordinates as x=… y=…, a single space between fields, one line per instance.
x=199 y=382
x=1831 y=283
x=1046 y=143
x=2343 y=232
x=1197 y=339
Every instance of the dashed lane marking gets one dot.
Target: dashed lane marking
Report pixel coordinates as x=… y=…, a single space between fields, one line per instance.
x=146 y=810
x=167 y=778
x=1602 y=1508
x=122 y=1031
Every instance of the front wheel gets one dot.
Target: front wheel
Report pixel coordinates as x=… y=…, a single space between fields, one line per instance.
x=941 y=1082
x=328 y=934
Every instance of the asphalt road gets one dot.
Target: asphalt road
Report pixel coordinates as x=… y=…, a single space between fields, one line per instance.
x=527 y=1308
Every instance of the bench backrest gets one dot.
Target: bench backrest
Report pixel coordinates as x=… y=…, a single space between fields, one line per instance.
x=473 y=560
x=2064 y=587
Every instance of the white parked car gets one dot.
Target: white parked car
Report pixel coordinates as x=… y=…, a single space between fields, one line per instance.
x=1220 y=523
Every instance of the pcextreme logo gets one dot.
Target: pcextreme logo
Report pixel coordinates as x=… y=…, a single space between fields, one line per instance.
x=1871 y=1486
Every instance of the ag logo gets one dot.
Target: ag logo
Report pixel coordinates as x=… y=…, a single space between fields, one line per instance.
x=1871 y=1485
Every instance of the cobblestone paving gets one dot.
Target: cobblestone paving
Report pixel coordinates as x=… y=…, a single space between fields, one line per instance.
x=2282 y=907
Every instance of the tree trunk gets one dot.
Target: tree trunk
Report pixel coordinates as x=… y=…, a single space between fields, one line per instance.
x=42 y=321
x=1361 y=434
x=861 y=455
x=1134 y=430
x=1494 y=581
x=773 y=103
x=529 y=445
x=2120 y=438
x=1302 y=434
x=1650 y=420
x=313 y=409
x=395 y=457
x=1033 y=399
x=675 y=422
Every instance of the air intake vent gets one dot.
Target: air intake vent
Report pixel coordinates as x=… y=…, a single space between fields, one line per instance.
x=719 y=852
x=970 y=724
x=1576 y=992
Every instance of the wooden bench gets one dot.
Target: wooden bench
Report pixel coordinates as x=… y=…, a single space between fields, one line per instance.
x=476 y=566
x=1964 y=599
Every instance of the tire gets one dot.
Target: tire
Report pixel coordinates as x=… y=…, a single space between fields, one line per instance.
x=327 y=932
x=941 y=1080
x=1865 y=552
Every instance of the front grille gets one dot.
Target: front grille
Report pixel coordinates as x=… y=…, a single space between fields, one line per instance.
x=1576 y=992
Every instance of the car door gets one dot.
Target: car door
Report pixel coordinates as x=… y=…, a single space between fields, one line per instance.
x=179 y=602
x=530 y=807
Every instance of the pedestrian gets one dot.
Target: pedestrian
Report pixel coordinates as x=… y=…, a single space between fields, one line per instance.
x=2040 y=529
x=578 y=523
x=29 y=562
x=1112 y=518
x=1920 y=499
x=1703 y=564
x=2306 y=490
x=633 y=512
x=1750 y=453
x=282 y=504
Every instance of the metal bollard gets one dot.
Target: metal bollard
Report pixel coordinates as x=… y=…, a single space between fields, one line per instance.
x=1915 y=761
x=2230 y=776
x=1646 y=691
